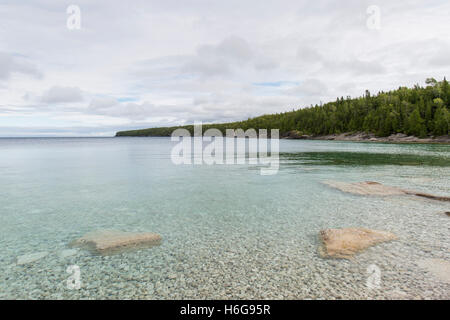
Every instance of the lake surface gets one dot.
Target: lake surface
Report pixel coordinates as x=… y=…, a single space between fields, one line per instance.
x=228 y=232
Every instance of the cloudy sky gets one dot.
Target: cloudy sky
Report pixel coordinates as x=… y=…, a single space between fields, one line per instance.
x=137 y=64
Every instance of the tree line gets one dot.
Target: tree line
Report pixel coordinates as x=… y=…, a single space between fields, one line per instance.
x=418 y=111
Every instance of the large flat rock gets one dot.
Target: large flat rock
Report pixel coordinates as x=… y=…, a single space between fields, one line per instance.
x=377 y=189
x=344 y=243
x=365 y=188
x=106 y=242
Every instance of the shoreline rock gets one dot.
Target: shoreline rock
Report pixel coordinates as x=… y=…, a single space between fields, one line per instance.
x=369 y=137
x=345 y=243
x=107 y=242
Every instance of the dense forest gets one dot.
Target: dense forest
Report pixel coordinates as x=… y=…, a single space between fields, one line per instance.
x=418 y=111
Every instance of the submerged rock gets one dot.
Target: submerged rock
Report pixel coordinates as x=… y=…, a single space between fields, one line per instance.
x=32 y=257
x=68 y=253
x=366 y=188
x=344 y=243
x=437 y=267
x=378 y=189
x=428 y=196
x=106 y=242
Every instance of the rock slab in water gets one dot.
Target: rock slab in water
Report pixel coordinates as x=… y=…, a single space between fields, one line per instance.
x=378 y=189
x=344 y=243
x=366 y=188
x=32 y=257
x=68 y=253
x=106 y=242
x=438 y=267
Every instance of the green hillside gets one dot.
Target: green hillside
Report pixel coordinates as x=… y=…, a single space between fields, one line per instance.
x=418 y=111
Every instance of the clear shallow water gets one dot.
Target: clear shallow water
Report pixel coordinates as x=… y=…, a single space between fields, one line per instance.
x=228 y=231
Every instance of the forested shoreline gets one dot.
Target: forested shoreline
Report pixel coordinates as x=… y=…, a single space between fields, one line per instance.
x=418 y=111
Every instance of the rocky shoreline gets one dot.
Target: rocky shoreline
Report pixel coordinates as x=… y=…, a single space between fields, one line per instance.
x=368 y=137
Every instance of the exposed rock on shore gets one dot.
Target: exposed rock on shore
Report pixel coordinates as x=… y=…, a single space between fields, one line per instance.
x=362 y=136
x=378 y=189
x=106 y=242
x=344 y=243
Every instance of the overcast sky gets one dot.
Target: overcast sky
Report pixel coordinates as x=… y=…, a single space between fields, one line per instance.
x=137 y=64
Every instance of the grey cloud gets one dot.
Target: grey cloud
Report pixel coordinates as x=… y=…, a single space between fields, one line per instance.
x=354 y=66
x=234 y=48
x=59 y=94
x=361 y=67
x=216 y=60
x=308 y=54
x=227 y=57
x=441 y=58
x=133 y=111
x=309 y=87
x=10 y=64
x=99 y=104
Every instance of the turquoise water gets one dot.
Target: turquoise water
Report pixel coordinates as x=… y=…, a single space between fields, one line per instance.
x=228 y=232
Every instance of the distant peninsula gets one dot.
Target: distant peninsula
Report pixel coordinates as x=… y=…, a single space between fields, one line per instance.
x=418 y=114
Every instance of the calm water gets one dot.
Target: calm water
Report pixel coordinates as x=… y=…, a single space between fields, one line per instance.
x=228 y=231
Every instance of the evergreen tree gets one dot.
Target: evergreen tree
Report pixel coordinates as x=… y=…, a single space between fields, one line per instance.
x=441 y=121
x=416 y=125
